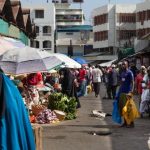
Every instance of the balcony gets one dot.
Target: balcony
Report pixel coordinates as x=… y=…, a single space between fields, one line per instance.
x=69 y=12
x=68 y=23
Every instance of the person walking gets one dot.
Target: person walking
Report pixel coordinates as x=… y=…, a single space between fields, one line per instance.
x=145 y=98
x=96 y=75
x=114 y=82
x=83 y=81
x=138 y=82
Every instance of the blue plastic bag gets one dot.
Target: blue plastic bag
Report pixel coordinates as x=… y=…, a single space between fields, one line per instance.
x=115 y=113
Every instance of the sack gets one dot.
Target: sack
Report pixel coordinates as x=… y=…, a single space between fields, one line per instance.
x=115 y=113
x=129 y=111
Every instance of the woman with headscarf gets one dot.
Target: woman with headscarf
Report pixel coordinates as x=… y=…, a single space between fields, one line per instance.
x=15 y=128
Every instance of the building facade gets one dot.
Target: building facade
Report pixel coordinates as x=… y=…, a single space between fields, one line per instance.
x=72 y=35
x=114 y=27
x=142 y=42
x=66 y=16
x=80 y=38
x=43 y=16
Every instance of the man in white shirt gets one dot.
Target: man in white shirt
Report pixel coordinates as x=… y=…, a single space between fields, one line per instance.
x=96 y=75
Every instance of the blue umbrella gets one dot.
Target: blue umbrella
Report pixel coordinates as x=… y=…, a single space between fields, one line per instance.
x=80 y=60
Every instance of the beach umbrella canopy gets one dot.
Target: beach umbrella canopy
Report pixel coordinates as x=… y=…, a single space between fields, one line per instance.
x=80 y=60
x=27 y=60
x=67 y=61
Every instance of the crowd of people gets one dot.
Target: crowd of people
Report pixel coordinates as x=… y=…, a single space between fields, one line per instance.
x=124 y=81
x=121 y=82
x=118 y=80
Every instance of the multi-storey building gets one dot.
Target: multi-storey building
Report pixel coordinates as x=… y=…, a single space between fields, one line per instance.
x=70 y=27
x=43 y=15
x=142 y=43
x=143 y=19
x=114 y=26
x=142 y=24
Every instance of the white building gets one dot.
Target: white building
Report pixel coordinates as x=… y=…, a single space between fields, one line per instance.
x=43 y=15
x=114 y=27
x=79 y=37
x=142 y=24
x=66 y=16
x=70 y=27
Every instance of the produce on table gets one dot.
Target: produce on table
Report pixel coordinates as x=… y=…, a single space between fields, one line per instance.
x=59 y=101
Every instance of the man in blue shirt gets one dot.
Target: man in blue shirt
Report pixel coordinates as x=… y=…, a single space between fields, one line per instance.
x=126 y=86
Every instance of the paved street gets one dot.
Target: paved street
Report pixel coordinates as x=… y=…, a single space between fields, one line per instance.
x=78 y=134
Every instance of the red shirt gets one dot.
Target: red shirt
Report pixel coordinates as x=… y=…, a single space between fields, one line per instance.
x=82 y=73
x=138 y=80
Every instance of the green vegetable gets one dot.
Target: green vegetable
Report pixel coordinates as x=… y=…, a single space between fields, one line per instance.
x=58 y=101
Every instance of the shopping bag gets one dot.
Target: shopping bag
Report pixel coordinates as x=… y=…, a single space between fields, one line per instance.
x=115 y=113
x=129 y=111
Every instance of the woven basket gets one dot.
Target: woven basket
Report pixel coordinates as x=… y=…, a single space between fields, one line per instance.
x=60 y=115
x=36 y=109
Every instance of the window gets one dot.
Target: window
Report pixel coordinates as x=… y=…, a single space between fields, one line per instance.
x=64 y=1
x=39 y=13
x=47 y=31
x=47 y=44
x=126 y=34
x=34 y=44
x=126 y=17
x=101 y=19
x=101 y=36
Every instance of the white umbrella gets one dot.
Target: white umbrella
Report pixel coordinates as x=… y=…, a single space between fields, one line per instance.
x=68 y=62
x=107 y=64
x=27 y=60
x=8 y=43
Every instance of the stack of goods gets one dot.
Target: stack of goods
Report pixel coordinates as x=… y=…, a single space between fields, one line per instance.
x=40 y=114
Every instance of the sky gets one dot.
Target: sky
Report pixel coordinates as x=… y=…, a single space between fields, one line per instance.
x=89 y=5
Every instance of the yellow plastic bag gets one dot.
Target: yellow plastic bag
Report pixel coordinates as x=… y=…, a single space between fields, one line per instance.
x=129 y=111
x=89 y=89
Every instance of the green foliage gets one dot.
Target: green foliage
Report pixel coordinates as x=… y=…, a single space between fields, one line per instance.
x=58 y=101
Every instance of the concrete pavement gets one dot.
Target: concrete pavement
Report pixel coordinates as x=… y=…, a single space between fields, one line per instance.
x=78 y=133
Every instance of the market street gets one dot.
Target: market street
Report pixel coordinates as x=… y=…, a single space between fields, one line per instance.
x=78 y=133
